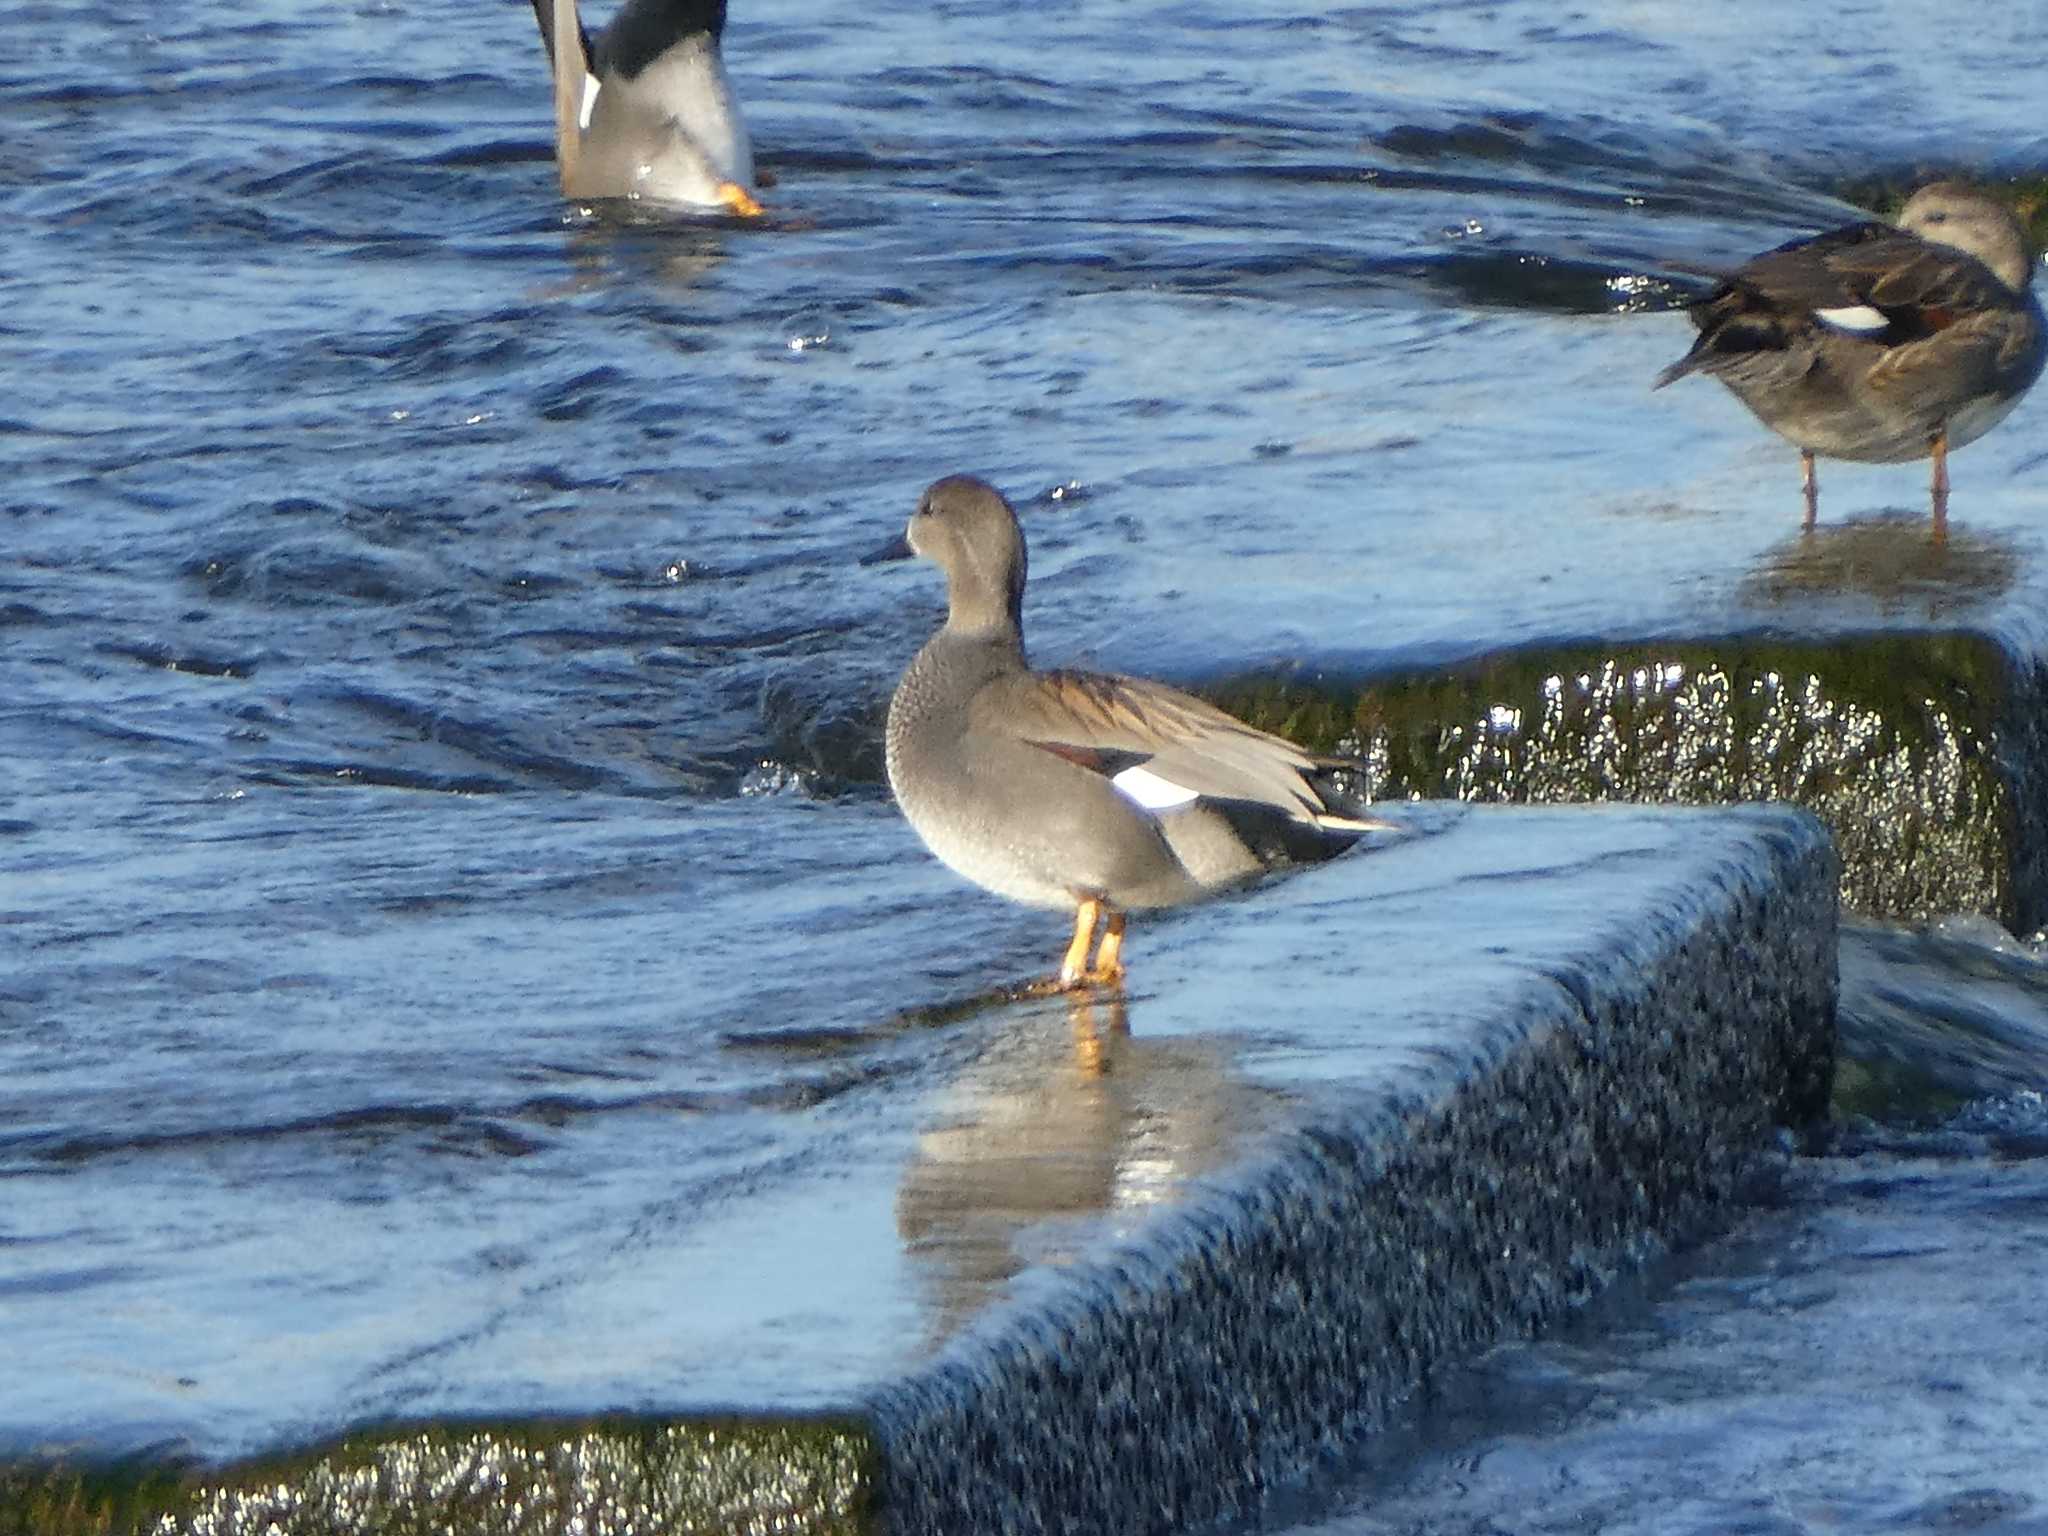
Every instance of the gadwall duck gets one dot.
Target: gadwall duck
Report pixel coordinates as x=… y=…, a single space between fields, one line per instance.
x=1078 y=791
x=645 y=110
x=1880 y=342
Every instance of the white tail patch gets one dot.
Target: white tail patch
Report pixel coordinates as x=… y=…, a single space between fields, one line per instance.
x=1146 y=788
x=1360 y=824
x=589 y=100
x=1856 y=319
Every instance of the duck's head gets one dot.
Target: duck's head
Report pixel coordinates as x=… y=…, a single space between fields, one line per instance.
x=1976 y=223
x=965 y=527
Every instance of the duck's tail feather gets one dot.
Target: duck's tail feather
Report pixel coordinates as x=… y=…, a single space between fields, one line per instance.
x=568 y=54
x=1341 y=807
x=1679 y=369
x=1356 y=826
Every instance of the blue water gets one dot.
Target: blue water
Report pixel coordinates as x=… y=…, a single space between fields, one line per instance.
x=440 y=703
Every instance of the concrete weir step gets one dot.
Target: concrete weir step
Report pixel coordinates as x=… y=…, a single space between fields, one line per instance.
x=1895 y=687
x=1141 y=1259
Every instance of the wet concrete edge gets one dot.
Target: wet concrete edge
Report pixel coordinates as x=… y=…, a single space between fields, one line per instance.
x=1173 y=1383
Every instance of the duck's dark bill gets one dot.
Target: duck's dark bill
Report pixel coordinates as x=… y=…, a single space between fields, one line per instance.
x=897 y=548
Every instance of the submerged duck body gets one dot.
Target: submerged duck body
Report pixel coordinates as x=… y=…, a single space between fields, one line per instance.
x=1079 y=791
x=645 y=110
x=1879 y=342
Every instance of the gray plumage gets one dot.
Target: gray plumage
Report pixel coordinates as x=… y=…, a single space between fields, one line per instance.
x=645 y=110
x=1030 y=783
x=1881 y=342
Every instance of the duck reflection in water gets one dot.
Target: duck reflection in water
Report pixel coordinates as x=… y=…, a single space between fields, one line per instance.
x=1889 y=563
x=645 y=246
x=1059 y=1138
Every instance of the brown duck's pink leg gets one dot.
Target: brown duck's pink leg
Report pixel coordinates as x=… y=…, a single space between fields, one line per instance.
x=1109 y=963
x=1810 y=482
x=1938 y=490
x=1075 y=966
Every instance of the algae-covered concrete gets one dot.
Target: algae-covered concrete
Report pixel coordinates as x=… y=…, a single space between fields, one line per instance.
x=604 y=1477
x=1111 y=1263
x=1923 y=753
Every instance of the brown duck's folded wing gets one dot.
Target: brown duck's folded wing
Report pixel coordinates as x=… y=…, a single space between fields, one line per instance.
x=1887 y=269
x=1109 y=723
x=1870 y=280
x=1971 y=349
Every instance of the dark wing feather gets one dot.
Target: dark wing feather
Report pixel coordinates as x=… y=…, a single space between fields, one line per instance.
x=1920 y=287
x=646 y=29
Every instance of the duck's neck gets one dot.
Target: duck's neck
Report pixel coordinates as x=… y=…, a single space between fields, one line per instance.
x=984 y=608
x=996 y=633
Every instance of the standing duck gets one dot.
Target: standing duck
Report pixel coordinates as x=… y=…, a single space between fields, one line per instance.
x=645 y=109
x=1078 y=791
x=1881 y=342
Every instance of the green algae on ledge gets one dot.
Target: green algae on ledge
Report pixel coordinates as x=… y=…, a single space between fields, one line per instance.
x=1903 y=744
x=602 y=1476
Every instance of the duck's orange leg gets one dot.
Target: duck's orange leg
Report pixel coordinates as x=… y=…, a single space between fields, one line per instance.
x=1109 y=963
x=1074 y=968
x=1938 y=489
x=1810 y=483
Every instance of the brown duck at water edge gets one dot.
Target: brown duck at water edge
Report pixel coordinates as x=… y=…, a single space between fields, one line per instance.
x=1881 y=342
x=1078 y=790
x=644 y=111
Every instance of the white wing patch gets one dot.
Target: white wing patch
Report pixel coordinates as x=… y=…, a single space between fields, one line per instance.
x=589 y=100
x=1857 y=319
x=1147 y=789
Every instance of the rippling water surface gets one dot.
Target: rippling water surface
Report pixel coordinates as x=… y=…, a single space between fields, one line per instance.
x=440 y=702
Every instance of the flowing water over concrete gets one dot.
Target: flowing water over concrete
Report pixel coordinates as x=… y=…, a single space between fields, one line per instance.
x=1863 y=1353
x=437 y=702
